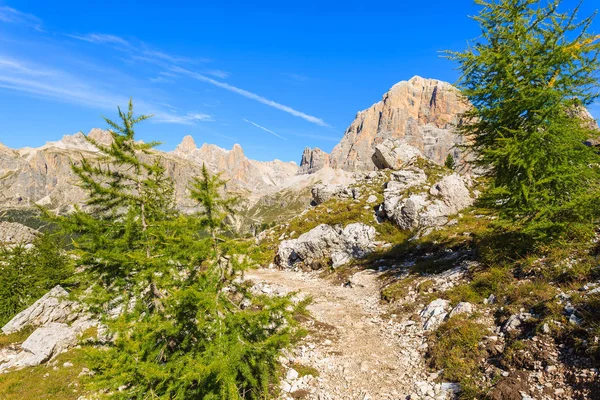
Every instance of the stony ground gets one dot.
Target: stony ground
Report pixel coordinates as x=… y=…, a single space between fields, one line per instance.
x=359 y=349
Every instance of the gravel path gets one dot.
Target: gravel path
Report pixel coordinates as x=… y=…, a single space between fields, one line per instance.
x=360 y=351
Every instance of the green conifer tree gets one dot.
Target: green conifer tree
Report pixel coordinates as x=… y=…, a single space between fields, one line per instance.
x=528 y=76
x=183 y=327
x=215 y=208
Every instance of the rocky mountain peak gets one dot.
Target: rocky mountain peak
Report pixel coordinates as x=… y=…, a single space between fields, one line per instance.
x=237 y=150
x=313 y=160
x=100 y=136
x=187 y=145
x=420 y=112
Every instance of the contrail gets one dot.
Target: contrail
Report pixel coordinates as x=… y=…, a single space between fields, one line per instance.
x=250 y=95
x=264 y=129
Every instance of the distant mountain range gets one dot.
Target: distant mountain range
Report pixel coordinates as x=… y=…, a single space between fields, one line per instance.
x=420 y=112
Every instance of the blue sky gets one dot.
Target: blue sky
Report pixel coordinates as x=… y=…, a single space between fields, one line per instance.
x=274 y=77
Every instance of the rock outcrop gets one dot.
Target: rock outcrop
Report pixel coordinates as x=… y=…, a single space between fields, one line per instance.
x=321 y=193
x=42 y=345
x=434 y=314
x=54 y=306
x=424 y=208
x=313 y=160
x=326 y=245
x=394 y=154
x=59 y=322
x=420 y=112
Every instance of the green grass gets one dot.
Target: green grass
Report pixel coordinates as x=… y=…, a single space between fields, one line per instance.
x=454 y=348
x=397 y=290
x=44 y=382
x=14 y=338
x=304 y=370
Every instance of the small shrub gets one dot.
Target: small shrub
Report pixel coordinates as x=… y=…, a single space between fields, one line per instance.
x=449 y=163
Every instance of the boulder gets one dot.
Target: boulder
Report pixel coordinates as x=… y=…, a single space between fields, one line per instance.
x=393 y=154
x=434 y=314
x=42 y=345
x=515 y=322
x=407 y=178
x=452 y=189
x=372 y=199
x=327 y=244
x=52 y=307
x=321 y=193
x=462 y=308
x=425 y=209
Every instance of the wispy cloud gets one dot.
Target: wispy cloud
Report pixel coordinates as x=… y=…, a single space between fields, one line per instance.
x=166 y=117
x=39 y=81
x=101 y=38
x=136 y=51
x=250 y=95
x=154 y=55
x=163 y=77
x=218 y=73
x=11 y=16
x=264 y=129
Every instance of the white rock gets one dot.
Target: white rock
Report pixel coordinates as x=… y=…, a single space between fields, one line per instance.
x=462 y=308
x=393 y=154
x=52 y=307
x=42 y=345
x=327 y=243
x=427 y=209
x=434 y=314
x=515 y=321
x=372 y=199
x=321 y=193
x=291 y=374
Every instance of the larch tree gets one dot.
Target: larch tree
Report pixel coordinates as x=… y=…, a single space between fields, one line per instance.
x=178 y=328
x=529 y=77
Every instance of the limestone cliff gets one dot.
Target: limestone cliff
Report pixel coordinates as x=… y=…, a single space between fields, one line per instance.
x=421 y=112
x=43 y=175
x=313 y=160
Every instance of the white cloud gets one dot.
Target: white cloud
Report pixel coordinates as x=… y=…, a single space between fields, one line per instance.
x=264 y=129
x=181 y=119
x=159 y=56
x=39 y=81
x=218 y=73
x=11 y=16
x=250 y=95
x=163 y=77
x=135 y=52
x=160 y=79
x=101 y=38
